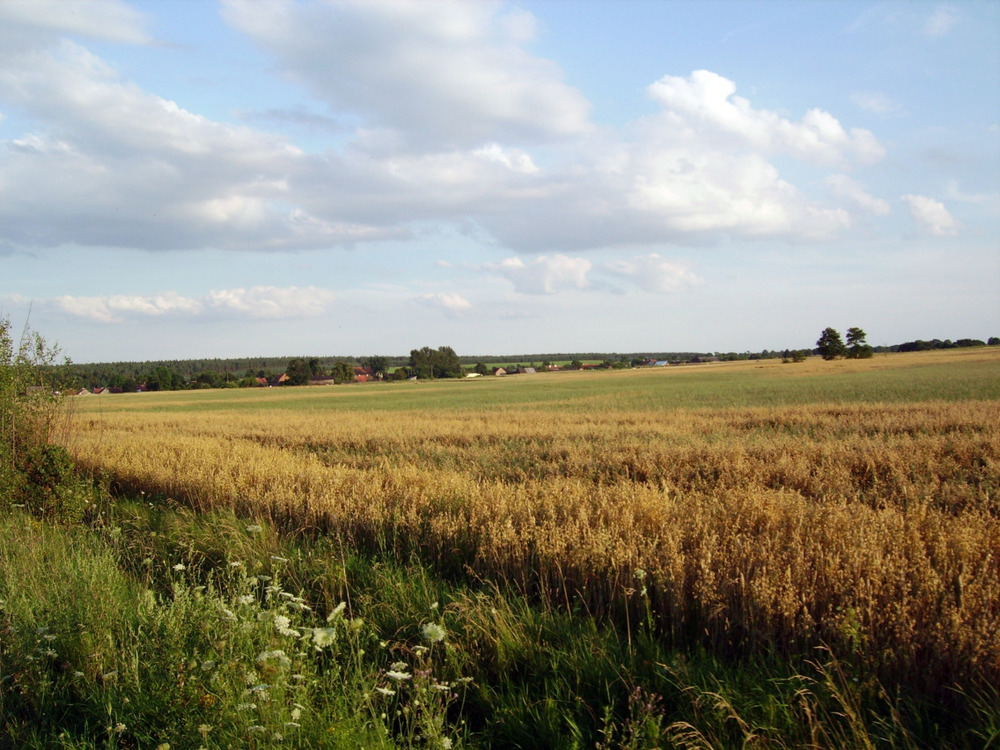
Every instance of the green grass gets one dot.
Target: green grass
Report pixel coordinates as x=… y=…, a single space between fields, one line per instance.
x=890 y=379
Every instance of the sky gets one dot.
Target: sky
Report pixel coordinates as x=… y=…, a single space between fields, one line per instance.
x=187 y=178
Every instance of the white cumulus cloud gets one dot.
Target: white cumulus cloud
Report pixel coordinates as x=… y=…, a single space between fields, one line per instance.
x=652 y=273
x=255 y=302
x=707 y=100
x=930 y=215
x=453 y=304
x=544 y=274
x=101 y=19
x=273 y=302
x=116 y=307
x=442 y=73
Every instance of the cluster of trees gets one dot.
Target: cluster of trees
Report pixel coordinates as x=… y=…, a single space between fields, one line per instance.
x=831 y=346
x=923 y=346
x=435 y=363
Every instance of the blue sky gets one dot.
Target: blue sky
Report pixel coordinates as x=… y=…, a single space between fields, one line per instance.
x=248 y=178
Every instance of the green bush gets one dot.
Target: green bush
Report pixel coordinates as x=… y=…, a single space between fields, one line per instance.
x=48 y=487
x=33 y=471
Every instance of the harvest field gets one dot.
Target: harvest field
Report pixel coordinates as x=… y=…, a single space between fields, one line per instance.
x=842 y=517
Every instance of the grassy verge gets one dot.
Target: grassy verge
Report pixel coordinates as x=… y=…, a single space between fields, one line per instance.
x=148 y=625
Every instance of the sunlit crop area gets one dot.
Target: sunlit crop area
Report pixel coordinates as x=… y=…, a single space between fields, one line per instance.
x=759 y=507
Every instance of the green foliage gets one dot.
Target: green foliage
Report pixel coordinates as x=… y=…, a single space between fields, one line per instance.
x=48 y=487
x=33 y=472
x=298 y=372
x=857 y=348
x=435 y=363
x=830 y=345
x=343 y=372
x=379 y=365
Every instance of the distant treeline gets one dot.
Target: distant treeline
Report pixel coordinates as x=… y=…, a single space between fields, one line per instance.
x=249 y=371
x=924 y=346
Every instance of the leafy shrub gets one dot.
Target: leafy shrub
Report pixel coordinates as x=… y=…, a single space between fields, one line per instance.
x=33 y=472
x=48 y=487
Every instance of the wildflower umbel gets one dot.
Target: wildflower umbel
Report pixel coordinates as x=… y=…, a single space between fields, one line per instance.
x=433 y=633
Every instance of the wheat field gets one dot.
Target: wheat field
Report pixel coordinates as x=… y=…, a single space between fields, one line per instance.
x=752 y=507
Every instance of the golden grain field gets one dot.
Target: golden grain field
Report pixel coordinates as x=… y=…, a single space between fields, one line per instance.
x=870 y=527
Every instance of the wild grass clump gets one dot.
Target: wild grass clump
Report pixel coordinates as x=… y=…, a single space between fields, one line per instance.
x=213 y=656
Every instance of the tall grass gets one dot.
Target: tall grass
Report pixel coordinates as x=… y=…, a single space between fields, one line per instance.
x=869 y=529
x=156 y=625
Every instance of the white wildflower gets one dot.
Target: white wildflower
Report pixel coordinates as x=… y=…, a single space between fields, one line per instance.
x=336 y=611
x=278 y=656
x=433 y=633
x=179 y=567
x=283 y=625
x=398 y=676
x=323 y=637
x=385 y=691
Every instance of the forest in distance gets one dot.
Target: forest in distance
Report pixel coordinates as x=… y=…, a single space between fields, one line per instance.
x=178 y=374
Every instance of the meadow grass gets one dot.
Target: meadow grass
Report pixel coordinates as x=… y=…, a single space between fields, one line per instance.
x=948 y=375
x=755 y=553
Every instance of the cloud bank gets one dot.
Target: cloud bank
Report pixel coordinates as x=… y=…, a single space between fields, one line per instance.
x=259 y=302
x=447 y=118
